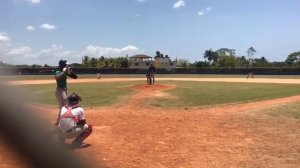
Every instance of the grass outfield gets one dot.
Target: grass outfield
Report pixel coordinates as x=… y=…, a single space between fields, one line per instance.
x=212 y=93
x=186 y=94
x=88 y=76
x=93 y=94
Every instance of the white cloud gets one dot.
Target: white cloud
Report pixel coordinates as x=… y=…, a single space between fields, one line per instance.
x=30 y=28
x=96 y=51
x=18 y=2
x=53 y=54
x=34 y=1
x=141 y=0
x=18 y=55
x=20 y=51
x=4 y=38
x=25 y=55
x=48 y=26
x=200 y=13
x=208 y=8
x=50 y=56
x=179 y=4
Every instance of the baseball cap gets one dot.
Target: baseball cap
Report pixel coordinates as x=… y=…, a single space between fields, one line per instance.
x=63 y=63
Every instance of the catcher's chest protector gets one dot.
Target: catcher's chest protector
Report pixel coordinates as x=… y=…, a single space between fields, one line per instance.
x=67 y=121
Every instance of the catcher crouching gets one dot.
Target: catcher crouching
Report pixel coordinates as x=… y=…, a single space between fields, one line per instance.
x=72 y=123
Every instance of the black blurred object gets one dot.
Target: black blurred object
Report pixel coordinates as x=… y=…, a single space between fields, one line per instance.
x=62 y=63
x=74 y=99
x=29 y=135
x=72 y=75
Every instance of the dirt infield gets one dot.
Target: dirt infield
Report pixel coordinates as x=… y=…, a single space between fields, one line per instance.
x=134 y=134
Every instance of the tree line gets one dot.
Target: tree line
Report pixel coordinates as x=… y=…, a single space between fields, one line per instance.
x=102 y=62
x=223 y=57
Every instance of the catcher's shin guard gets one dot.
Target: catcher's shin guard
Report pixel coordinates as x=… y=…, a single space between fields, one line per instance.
x=85 y=133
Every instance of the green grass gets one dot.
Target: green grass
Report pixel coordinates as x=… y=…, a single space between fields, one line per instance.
x=87 y=76
x=80 y=76
x=93 y=94
x=187 y=94
x=211 y=93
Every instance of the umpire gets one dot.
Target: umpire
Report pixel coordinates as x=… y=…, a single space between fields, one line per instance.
x=61 y=82
x=151 y=71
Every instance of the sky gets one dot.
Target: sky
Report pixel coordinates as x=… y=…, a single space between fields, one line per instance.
x=45 y=31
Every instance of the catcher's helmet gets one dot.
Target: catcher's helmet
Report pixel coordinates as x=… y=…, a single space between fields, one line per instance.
x=74 y=99
x=62 y=63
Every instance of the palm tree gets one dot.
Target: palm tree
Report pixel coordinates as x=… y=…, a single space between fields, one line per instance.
x=93 y=62
x=85 y=61
x=250 y=53
x=211 y=55
x=293 y=57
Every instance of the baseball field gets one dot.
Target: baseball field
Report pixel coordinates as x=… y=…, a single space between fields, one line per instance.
x=187 y=121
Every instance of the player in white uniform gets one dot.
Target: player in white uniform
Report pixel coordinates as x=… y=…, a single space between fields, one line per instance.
x=72 y=123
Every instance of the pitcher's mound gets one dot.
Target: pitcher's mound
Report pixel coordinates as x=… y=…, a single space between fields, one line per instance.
x=155 y=87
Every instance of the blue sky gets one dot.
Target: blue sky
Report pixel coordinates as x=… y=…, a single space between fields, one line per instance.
x=44 y=31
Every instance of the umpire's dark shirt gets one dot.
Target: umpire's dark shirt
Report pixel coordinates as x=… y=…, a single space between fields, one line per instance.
x=152 y=69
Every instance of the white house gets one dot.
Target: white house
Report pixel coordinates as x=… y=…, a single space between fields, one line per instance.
x=144 y=61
